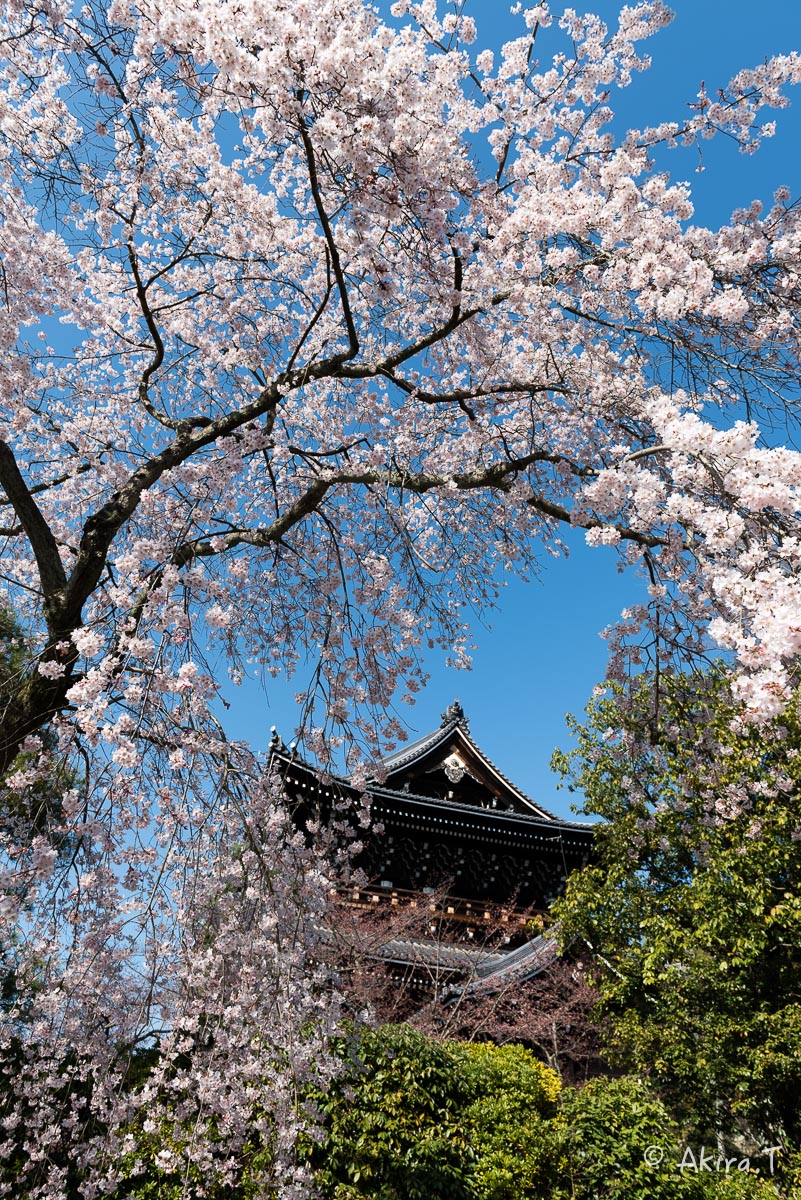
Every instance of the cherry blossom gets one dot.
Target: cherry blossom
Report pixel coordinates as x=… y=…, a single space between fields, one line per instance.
x=314 y=325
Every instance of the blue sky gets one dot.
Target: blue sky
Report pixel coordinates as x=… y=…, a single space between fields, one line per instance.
x=543 y=653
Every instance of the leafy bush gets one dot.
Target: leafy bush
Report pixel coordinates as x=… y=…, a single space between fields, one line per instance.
x=516 y=1152
x=414 y=1119
x=395 y=1127
x=607 y=1130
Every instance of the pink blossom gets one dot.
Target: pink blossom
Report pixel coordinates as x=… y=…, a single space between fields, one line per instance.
x=51 y=669
x=317 y=396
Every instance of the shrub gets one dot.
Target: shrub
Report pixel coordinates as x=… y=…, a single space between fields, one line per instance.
x=608 y=1126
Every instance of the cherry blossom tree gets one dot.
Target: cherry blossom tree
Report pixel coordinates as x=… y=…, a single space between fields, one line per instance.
x=314 y=325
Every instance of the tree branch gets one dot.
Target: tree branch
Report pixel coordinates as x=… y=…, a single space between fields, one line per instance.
x=498 y=476
x=48 y=560
x=81 y=469
x=339 y=274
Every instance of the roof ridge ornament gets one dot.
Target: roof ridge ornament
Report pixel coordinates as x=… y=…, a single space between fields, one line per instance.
x=277 y=744
x=454 y=713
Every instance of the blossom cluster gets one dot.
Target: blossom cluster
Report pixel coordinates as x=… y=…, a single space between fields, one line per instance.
x=289 y=376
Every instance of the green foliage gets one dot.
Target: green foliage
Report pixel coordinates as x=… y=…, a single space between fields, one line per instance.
x=415 y=1118
x=610 y=1125
x=693 y=908
x=516 y=1152
x=394 y=1122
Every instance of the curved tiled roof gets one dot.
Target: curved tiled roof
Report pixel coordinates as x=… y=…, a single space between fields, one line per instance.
x=431 y=741
x=420 y=747
x=486 y=971
x=406 y=952
x=504 y=816
x=516 y=966
x=383 y=792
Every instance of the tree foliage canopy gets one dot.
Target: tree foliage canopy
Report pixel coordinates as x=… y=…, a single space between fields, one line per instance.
x=693 y=908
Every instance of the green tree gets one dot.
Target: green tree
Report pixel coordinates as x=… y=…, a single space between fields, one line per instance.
x=413 y=1117
x=693 y=907
x=516 y=1147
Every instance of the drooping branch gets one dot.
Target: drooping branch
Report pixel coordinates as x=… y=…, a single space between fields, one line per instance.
x=497 y=477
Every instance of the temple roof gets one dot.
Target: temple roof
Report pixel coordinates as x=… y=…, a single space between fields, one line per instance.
x=451 y=752
x=415 y=953
x=445 y=768
x=485 y=972
x=441 y=814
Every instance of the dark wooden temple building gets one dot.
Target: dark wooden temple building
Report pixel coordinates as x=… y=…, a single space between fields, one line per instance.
x=445 y=820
